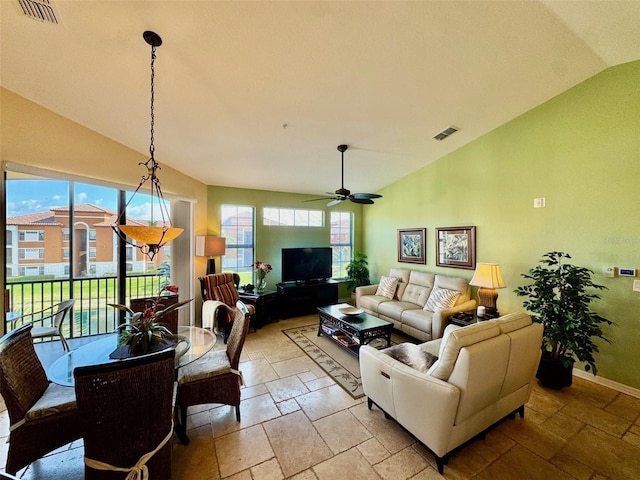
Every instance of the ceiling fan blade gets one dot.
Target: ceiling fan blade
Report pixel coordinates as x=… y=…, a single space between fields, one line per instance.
x=335 y=201
x=364 y=201
x=366 y=195
x=316 y=199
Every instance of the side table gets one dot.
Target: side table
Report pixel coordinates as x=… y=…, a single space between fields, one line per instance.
x=266 y=304
x=463 y=319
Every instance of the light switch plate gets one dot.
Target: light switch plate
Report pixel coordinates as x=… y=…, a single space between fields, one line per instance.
x=609 y=271
x=636 y=285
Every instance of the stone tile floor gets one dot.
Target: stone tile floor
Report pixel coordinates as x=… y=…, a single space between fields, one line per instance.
x=297 y=423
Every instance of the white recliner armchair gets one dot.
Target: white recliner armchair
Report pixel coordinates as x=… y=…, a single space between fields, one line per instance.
x=484 y=372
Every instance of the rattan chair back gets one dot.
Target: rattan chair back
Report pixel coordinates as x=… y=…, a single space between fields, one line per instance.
x=127 y=411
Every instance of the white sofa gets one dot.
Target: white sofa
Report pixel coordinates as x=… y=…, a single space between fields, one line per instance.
x=484 y=372
x=407 y=307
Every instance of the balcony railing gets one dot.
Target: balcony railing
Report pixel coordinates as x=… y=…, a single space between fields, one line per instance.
x=91 y=314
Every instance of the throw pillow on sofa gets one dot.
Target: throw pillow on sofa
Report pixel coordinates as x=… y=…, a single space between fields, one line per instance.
x=412 y=356
x=441 y=298
x=387 y=287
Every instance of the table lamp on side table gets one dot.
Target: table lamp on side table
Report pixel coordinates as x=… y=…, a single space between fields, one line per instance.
x=210 y=247
x=488 y=277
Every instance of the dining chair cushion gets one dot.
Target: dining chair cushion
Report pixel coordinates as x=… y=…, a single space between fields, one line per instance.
x=44 y=332
x=208 y=366
x=55 y=399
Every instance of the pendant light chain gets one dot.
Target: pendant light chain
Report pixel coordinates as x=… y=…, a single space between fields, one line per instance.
x=153 y=75
x=149 y=239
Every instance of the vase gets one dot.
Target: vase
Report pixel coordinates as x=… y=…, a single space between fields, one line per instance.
x=262 y=284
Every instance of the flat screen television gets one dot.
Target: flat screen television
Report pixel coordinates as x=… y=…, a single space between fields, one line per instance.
x=306 y=264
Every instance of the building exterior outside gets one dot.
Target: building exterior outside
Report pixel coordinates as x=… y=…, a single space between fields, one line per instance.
x=40 y=244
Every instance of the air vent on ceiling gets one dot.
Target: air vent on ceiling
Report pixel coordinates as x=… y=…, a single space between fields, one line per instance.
x=41 y=10
x=446 y=133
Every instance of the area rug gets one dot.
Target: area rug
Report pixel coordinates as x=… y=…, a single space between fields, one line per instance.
x=340 y=365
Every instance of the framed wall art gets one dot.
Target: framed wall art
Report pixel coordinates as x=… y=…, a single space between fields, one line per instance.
x=411 y=245
x=456 y=247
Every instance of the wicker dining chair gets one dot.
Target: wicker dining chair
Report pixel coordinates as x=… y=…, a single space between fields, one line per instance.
x=43 y=416
x=48 y=322
x=127 y=412
x=213 y=378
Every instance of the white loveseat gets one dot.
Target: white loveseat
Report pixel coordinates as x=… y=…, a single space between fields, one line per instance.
x=484 y=372
x=406 y=309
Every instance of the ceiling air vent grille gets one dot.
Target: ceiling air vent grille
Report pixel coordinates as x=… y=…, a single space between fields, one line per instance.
x=41 y=10
x=446 y=133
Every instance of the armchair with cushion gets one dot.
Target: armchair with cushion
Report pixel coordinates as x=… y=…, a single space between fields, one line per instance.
x=43 y=416
x=483 y=373
x=221 y=302
x=48 y=322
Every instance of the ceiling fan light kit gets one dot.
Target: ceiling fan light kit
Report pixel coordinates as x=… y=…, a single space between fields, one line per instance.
x=342 y=194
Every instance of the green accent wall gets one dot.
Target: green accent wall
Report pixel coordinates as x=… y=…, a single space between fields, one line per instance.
x=580 y=150
x=269 y=240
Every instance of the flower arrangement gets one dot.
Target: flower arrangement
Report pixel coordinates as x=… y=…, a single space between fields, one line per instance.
x=261 y=268
x=143 y=330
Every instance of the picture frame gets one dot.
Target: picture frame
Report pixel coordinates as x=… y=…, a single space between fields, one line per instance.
x=412 y=245
x=456 y=247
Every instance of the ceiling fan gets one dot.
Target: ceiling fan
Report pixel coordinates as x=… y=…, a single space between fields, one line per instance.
x=343 y=194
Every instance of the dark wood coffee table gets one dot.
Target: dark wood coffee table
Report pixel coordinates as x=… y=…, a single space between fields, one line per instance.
x=352 y=331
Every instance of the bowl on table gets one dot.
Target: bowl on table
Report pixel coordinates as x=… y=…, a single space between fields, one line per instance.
x=350 y=311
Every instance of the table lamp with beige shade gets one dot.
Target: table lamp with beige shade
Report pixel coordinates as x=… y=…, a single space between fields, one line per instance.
x=210 y=246
x=488 y=277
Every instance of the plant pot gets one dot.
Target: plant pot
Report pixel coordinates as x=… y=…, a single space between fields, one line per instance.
x=554 y=374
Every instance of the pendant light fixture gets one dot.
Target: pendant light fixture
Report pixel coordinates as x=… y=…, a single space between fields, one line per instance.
x=149 y=238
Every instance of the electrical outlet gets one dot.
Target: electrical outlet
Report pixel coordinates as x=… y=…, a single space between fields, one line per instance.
x=539 y=202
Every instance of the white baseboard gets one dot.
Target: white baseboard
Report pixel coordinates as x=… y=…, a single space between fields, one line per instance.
x=620 y=387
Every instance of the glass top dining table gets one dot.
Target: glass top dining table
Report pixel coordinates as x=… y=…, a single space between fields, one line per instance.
x=198 y=341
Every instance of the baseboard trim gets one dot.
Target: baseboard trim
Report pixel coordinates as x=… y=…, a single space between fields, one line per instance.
x=605 y=382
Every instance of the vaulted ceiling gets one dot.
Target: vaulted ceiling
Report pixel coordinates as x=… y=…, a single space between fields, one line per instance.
x=260 y=94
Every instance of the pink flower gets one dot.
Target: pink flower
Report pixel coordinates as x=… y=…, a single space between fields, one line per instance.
x=261 y=267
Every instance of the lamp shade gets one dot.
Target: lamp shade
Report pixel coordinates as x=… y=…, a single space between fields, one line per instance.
x=210 y=246
x=487 y=275
x=150 y=235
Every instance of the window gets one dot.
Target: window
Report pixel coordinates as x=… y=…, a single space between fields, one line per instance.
x=65 y=252
x=65 y=235
x=292 y=217
x=31 y=253
x=341 y=242
x=92 y=252
x=92 y=235
x=31 y=235
x=238 y=228
x=31 y=271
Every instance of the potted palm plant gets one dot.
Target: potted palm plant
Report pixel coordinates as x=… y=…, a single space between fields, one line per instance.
x=559 y=298
x=144 y=331
x=357 y=272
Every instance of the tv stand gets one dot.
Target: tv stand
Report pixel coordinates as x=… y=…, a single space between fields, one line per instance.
x=299 y=298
